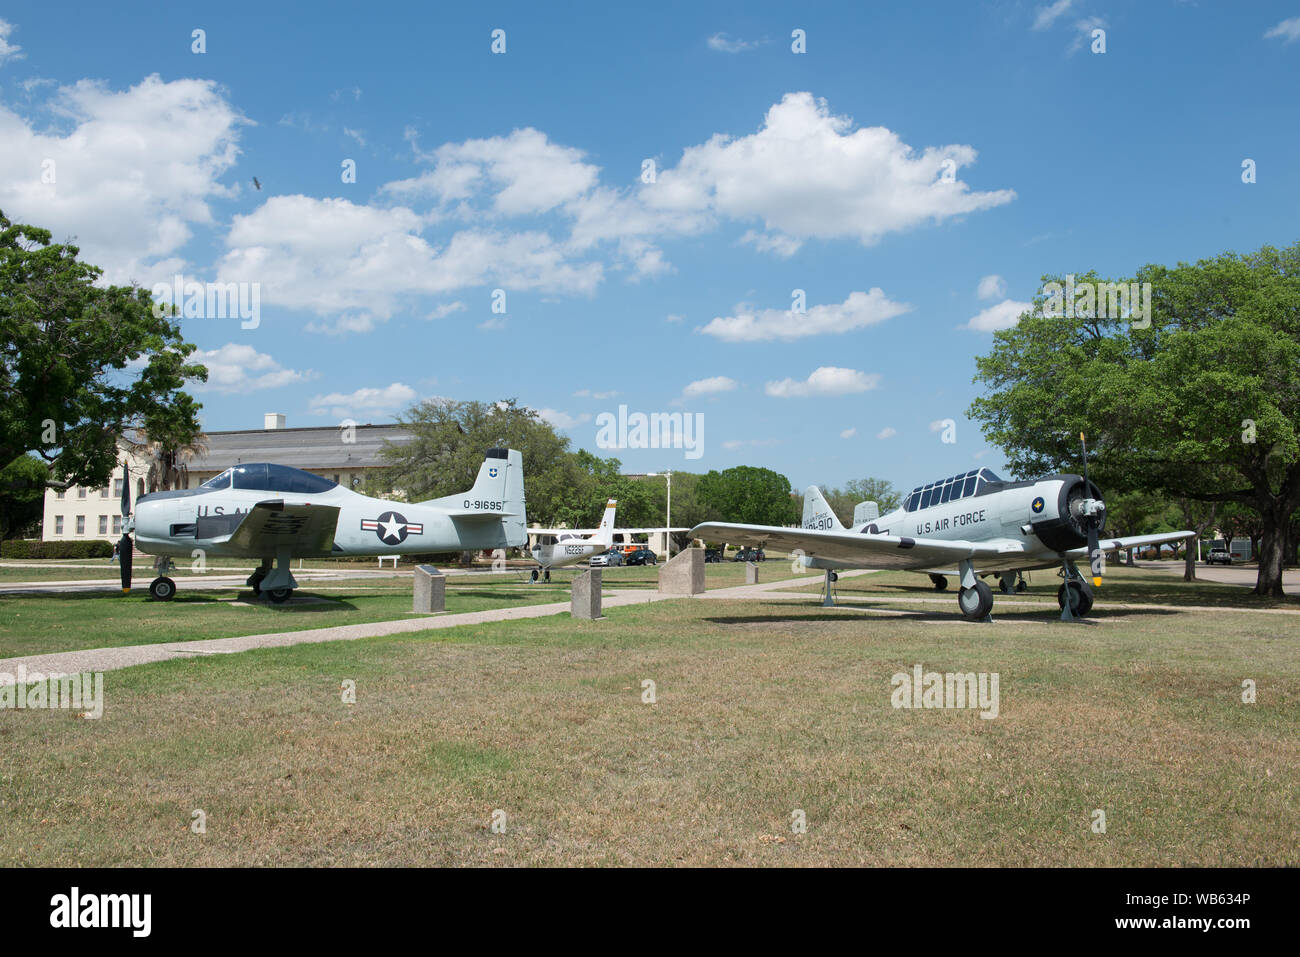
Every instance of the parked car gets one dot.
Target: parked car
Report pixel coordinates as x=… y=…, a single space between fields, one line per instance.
x=712 y=555
x=749 y=555
x=1219 y=555
x=605 y=559
x=641 y=556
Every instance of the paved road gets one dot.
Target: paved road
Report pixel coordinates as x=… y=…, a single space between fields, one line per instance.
x=1244 y=575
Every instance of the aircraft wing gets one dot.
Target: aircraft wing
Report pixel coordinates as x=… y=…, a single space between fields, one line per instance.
x=864 y=550
x=592 y=531
x=1133 y=541
x=270 y=525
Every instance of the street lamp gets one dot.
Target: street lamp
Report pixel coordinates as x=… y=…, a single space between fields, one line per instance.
x=668 y=513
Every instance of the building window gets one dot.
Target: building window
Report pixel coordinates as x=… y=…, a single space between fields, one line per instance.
x=103 y=492
x=117 y=524
x=58 y=524
x=117 y=488
x=103 y=524
x=336 y=478
x=81 y=525
x=59 y=494
x=81 y=492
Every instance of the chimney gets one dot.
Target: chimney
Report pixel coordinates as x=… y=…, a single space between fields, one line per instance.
x=273 y=420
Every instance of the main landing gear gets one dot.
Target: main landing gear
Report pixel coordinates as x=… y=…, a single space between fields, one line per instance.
x=162 y=588
x=975 y=598
x=275 y=582
x=1074 y=596
x=940 y=582
x=545 y=576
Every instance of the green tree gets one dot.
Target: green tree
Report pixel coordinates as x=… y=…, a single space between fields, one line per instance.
x=449 y=439
x=1202 y=403
x=22 y=494
x=747 y=494
x=844 y=501
x=83 y=364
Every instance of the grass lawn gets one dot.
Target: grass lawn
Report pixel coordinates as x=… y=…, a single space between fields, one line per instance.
x=763 y=708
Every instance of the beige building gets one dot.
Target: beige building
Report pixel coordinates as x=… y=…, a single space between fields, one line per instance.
x=340 y=454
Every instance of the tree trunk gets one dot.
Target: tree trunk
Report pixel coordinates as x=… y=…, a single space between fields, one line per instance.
x=1189 y=564
x=1271 y=545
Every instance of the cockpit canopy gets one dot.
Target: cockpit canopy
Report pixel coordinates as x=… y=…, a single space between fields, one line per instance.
x=945 y=490
x=265 y=477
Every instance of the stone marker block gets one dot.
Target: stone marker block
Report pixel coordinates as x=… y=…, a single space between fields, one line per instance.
x=751 y=573
x=430 y=590
x=683 y=575
x=585 y=602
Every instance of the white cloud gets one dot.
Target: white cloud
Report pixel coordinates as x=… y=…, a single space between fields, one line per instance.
x=356 y=135
x=724 y=43
x=888 y=432
x=331 y=256
x=1050 y=14
x=674 y=317
x=1288 y=31
x=525 y=173
x=848 y=433
x=446 y=309
x=991 y=287
x=1002 y=315
x=709 y=386
x=827 y=380
x=8 y=51
x=363 y=403
x=808 y=174
x=562 y=420
x=732 y=444
x=859 y=310
x=236 y=367
x=588 y=394
x=134 y=171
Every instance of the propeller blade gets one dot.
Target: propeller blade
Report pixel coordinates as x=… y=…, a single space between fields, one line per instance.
x=125 y=552
x=125 y=547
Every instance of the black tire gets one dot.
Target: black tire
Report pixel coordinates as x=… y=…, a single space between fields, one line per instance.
x=162 y=589
x=976 y=603
x=279 y=595
x=534 y=574
x=940 y=582
x=1004 y=585
x=1080 y=598
x=1022 y=586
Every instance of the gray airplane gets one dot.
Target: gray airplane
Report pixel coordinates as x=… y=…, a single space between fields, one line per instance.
x=275 y=513
x=971 y=521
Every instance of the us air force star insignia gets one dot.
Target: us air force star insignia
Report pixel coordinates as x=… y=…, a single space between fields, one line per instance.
x=1036 y=505
x=391 y=527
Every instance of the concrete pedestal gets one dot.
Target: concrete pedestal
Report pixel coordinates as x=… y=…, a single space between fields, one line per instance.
x=751 y=573
x=585 y=602
x=683 y=575
x=430 y=590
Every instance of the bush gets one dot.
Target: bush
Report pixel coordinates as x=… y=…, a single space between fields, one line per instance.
x=34 y=548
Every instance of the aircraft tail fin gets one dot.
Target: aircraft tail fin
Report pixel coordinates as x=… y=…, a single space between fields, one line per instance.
x=865 y=512
x=497 y=495
x=817 y=512
x=605 y=533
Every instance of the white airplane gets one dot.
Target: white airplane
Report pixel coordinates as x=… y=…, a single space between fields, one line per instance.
x=972 y=520
x=571 y=545
x=276 y=514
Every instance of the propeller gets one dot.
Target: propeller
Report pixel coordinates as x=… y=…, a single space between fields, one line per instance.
x=125 y=547
x=1090 y=518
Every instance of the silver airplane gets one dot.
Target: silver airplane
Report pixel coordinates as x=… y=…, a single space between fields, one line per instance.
x=573 y=545
x=971 y=521
x=275 y=513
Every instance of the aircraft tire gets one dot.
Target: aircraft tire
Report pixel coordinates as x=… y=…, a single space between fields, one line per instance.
x=975 y=603
x=940 y=582
x=534 y=574
x=279 y=595
x=162 y=589
x=1004 y=586
x=1080 y=598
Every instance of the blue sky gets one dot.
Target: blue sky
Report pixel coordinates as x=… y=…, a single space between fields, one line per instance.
x=522 y=171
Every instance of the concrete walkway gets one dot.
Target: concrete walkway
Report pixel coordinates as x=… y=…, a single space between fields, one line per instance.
x=110 y=659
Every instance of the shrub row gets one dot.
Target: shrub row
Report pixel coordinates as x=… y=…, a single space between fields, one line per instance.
x=34 y=548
